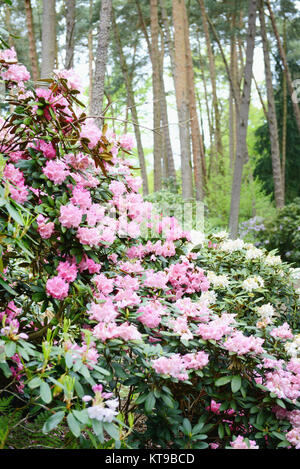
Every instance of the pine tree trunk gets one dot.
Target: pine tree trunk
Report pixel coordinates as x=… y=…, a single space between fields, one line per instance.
x=284 y=117
x=243 y=116
x=182 y=98
x=101 y=59
x=91 y=56
x=132 y=105
x=197 y=143
x=32 y=43
x=70 y=6
x=48 y=38
x=169 y=160
x=285 y=65
x=272 y=119
x=212 y=68
x=156 y=87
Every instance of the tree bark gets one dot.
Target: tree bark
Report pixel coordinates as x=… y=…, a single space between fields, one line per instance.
x=197 y=143
x=70 y=6
x=182 y=97
x=132 y=105
x=285 y=66
x=91 y=56
x=48 y=38
x=101 y=59
x=243 y=116
x=212 y=68
x=32 y=44
x=169 y=160
x=272 y=119
x=284 y=117
x=156 y=87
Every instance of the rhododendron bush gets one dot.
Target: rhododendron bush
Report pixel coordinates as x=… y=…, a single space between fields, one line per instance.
x=115 y=328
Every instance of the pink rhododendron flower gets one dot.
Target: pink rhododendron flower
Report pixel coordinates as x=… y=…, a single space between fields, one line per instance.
x=117 y=188
x=91 y=131
x=57 y=288
x=241 y=344
x=103 y=312
x=67 y=271
x=89 y=236
x=240 y=443
x=45 y=227
x=282 y=332
x=82 y=198
x=56 y=171
x=173 y=366
x=90 y=265
x=293 y=437
x=156 y=280
x=195 y=361
x=126 y=142
x=104 y=285
x=17 y=73
x=70 y=216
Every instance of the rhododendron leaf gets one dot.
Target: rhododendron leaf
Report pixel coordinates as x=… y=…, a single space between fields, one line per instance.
x=221 y=430
x=150 y=402
x=8 y=288
x=98 y=429
x=53 y=421
x=222 y=381
x=236 y=382
x=81 y=415
x=35 y=382
x=6 y=370
x=168 y=401
x=73 y=425
x=10 y=349
x=112 y=430
x=14 y=214
x=45 y=392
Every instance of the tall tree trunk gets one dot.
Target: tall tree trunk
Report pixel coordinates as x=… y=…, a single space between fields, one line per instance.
x=212 y=68
x=285 y=65
x=48 y=38
x=32 y=43
x=156 y=87
x=182 y=98
x=272 y=119
x=197 y=143
x=243 y=116
x=132 y=105
x=284 y=117
x=91 y=55
x=70 y=6
x=170 y=167
x=101 y=59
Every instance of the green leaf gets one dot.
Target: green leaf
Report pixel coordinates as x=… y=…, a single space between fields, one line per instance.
x=81 y=415
x=150 y=403
x=223 y=380
x=168 y=401
x=73 y=425
x=45 y=391
x=236 y=383
x=112 y=430
x=14 y=214
x=221 y=430
x=187 y=426
x=10 y=349
x=53 y=421
x=6 y=370
x=34 y=383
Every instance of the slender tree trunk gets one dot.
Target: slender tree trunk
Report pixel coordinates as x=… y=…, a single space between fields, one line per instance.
x=212 y=68
x=170 y=167
x=132 y=105
x=182 y=98
x=32 y=43
x=197 y=143
x=101 y=59
x=272 y=119
x=243 y=116
x=48 y=38
x=70 y=6
x=91 y=56
x=156 y=87
x=285 y=111
x=285 y=65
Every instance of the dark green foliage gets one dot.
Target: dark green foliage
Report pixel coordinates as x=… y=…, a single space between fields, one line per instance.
x=283 y=233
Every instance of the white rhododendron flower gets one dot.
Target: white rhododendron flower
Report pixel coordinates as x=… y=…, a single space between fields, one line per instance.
x=232 y=245
x=252 y=283
x=218 y=281
x=273 y=260
x=197 y=237
x=254 y=253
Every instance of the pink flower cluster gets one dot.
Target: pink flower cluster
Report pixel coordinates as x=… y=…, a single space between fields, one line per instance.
x=240 y=443
x=241 y=344
x=151 y=315
x=45 y=227
x=177 y=365
x=18 y=189
x=282 y=332
x=186 y=278
x=111 y=330
x=216 y=328
x=56 y=171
